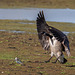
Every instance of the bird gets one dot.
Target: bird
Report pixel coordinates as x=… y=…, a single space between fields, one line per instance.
x=18 y=60
x=52 y=39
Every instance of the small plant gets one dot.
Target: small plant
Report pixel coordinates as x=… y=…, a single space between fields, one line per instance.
x=40 y=67
x=62 y=72
x=41 y=73
x=73 y=57
x=1 y=41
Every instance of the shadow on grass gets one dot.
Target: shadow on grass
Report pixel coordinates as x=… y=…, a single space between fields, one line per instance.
x=70 y=65
x=36 y=61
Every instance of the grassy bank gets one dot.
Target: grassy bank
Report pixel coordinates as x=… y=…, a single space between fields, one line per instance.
x=30 y=26
x=37 y=3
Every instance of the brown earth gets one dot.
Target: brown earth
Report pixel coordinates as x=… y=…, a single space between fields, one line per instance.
x=27 y=47
x=37 y=3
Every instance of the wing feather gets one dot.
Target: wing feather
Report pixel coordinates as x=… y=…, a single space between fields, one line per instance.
x=46 y=32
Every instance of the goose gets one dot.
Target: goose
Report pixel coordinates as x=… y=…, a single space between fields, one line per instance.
x=52 y=39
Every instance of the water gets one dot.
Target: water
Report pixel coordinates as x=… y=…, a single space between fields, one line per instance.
x=26 y=23
x=56 y=15
x=14 y=31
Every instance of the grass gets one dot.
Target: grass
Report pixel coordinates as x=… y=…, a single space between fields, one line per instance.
x=27 y=48
x=19 y=25
x=62 y=72
x=37 y=3
x=6 y=55
x=26 y=45
x=70 y=27
x=12 y=25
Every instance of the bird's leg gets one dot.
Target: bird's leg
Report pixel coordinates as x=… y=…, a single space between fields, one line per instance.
x=56 y=60
x=50 y=57
x=48 y=60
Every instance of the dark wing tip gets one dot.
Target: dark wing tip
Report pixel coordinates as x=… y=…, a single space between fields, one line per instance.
x=41 y=13
x=40 y=17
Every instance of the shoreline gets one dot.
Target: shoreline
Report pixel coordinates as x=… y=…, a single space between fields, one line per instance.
x=37 y=4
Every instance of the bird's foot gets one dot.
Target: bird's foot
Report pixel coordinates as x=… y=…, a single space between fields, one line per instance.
x=47 y=61
x=54 y=62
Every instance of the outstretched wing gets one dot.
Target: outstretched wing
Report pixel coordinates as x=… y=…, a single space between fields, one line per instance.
x=46 y=32
x=42 y=29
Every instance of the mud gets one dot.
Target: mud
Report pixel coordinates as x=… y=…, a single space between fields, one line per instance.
x=28 y=49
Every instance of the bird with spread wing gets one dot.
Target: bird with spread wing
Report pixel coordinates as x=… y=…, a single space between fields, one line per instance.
x=53 y=39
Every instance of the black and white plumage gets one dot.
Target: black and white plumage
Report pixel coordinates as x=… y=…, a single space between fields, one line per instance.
x=52 y=38
x=18 y=60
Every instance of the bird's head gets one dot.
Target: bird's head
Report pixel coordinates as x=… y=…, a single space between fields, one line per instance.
x=62 y=60
x=16 y=58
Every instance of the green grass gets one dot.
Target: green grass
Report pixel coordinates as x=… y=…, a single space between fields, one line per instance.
x=62 y=72
x=70 y=27
x=27 y=48
x=7 y=55
x=29 y=29
x=19 y=26
x=73 y=57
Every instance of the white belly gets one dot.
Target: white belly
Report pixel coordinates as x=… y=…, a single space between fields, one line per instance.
x=55 y=46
